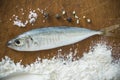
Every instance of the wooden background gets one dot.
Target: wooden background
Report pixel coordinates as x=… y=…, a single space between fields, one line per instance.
x=103 y=13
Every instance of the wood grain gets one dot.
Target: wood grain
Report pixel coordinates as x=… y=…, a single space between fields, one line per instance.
x=103 y=13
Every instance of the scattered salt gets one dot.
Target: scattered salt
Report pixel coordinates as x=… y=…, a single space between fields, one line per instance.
x=76 y=17
x=41 y=11
x=88 y=20
x=13 y=15
x=84 y=17
x=74 y=12
x=19 y=23
x=97 y=64
x=31 y=19
x=63 y=12
x=78 y=21
x=32 y=16
x=38 y=9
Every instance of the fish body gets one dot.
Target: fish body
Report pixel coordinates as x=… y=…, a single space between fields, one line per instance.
x=50 y=37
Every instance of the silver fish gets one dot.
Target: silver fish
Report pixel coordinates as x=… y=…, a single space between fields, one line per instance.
x=53 y=37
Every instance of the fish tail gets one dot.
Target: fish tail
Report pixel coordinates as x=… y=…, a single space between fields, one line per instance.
x=109 y=30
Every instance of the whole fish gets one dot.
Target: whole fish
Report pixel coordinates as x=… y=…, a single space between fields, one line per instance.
x=53 y=37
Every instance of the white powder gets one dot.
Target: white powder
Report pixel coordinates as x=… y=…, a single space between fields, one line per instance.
x=31 y=19
x=19 y=23
x=40 y=10
x=97 y=64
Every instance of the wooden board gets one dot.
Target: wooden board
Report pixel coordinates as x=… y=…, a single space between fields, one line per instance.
x=103 y=13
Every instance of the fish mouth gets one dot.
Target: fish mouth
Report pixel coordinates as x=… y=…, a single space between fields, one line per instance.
x=9 y=43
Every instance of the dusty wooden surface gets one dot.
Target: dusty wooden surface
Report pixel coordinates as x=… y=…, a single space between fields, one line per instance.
x=103 y=13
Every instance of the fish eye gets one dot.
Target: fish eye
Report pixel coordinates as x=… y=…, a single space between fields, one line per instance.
x=18 y=42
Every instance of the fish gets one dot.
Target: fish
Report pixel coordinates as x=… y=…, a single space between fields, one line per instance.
x=54 y=37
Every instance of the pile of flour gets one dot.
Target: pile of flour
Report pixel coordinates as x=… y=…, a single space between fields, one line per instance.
x=97 y=64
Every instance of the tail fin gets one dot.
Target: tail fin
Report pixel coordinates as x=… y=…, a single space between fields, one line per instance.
x=108 y=31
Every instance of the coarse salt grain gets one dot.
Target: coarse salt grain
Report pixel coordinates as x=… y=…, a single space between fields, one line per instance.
x=19 y=23
x=31 y=19
x=76 y=17
x=97 y=64
x=63 y=12
x=74 y=12
x=84 y=17
x=32 y=16
x=88 y=20
x=78 y=21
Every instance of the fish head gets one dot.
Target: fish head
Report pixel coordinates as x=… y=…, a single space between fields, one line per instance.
x=19 y=43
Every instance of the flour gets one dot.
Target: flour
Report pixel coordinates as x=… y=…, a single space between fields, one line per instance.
x=32 y=16
x=97 y=64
